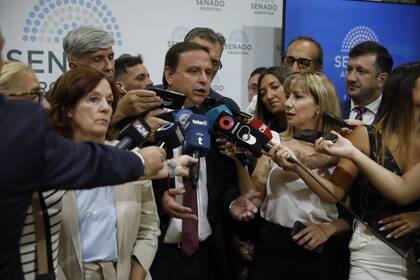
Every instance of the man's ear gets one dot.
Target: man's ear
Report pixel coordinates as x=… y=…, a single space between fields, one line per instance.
x=381 y=79
x=169 y=73
x=319 y=68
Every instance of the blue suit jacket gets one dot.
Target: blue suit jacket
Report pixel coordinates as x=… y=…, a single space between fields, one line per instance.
x=345 y=108
x=33 y=157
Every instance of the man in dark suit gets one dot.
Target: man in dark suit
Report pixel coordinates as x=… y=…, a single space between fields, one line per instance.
x=34 y=158
x=188 y=70
x=369 y=66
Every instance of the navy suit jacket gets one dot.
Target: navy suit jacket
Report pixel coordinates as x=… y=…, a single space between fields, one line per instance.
x=33 y=157
x=345 y=108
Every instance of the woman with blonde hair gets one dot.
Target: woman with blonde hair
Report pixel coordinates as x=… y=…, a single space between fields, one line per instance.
x=285 y=199
x=18 y=81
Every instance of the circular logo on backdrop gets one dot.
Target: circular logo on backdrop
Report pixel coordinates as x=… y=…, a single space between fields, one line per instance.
x=357 y=35
x=178 y=35
x=50 y=20
x=238 y=43
x=217 y=85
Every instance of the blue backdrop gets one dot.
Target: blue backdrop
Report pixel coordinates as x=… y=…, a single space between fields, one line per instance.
x=338 y=25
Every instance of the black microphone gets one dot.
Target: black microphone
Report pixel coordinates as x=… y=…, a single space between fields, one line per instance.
x=134 y=134
x=242 y=134
x=197 y=142
x=170 y=135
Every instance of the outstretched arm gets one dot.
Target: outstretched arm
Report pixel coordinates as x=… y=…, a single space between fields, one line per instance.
x=384 y=180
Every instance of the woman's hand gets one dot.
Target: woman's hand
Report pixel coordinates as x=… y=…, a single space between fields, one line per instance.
x=341 y=148
x=280 y=154
x=402 y=224
x=312 y=236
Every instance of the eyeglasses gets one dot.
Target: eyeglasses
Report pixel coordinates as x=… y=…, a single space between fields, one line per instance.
x=216 y=64
x=302 y=63
x=35 y=95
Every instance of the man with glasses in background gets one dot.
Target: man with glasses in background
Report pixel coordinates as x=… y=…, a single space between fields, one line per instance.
x=303 y=55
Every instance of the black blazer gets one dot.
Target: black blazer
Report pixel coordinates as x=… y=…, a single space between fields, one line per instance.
x=33 y=157
x=222 y=190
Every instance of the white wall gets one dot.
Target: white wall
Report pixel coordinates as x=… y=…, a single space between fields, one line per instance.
x=34 y=30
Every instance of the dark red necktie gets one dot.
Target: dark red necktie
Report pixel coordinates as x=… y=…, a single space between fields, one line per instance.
x=190 y=227
x=360 y=110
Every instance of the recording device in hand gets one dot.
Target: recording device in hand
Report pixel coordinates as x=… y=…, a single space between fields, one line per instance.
x=197 y=142
x=168 y=99
x=333 y=119
x=171 y=135
x=134 y=134
x=297 y=227
x=311 y=136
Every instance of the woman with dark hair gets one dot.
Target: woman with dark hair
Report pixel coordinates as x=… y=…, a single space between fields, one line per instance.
x=271 y=98
x=391 y=142
x=109 y=232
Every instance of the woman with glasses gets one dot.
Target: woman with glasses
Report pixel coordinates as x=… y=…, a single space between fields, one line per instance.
x=18 y=81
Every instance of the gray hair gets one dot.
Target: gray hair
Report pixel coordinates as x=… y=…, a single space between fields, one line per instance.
x=86 y=39
x=207 y=34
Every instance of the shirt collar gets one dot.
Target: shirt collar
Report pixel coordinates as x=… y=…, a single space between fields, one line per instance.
x=372 y=107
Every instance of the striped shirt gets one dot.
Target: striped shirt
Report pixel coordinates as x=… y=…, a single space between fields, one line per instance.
x=51 y=204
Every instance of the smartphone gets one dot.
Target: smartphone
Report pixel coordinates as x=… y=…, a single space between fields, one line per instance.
x=297 y=227
x=333 y=119
x=311 y=136
x=169 y=99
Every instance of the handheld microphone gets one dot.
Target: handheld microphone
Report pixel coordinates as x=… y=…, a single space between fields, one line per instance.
x=197 y=142
x=182 y=116
x=241 y=134
x=133 y=134
x=211 y=103
x=170 y=135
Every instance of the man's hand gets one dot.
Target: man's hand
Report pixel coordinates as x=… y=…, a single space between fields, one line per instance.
x=243 y=208
x=402 y=224
x=134 y=103
x=154 y=158
x=153 y=121
x=173 y=208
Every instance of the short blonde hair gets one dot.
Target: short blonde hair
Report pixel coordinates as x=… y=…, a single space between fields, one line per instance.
x=324 y=93
x=10 y=76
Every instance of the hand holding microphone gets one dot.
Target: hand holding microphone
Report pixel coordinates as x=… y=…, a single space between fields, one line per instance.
x=283 y=156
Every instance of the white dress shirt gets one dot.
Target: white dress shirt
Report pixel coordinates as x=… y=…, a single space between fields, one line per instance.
x=174 y=233
x=369 y=116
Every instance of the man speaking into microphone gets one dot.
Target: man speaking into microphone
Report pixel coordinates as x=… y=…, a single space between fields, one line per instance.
x=188 y=70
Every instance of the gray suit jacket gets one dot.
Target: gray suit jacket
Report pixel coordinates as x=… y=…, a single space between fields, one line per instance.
x=137 y=230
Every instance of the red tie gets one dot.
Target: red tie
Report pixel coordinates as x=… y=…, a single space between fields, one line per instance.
x=190 y=227
x=360 y=110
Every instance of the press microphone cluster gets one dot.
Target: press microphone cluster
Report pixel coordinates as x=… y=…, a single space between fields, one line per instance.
x=253 y=136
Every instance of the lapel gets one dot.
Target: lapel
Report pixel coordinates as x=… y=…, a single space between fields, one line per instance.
x=74 y=226
x=119 y=196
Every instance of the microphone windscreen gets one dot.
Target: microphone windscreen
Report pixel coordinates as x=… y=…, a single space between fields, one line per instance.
x=171 y=133
x=138 y=131
x=197 y=137
x=214 y=114
x=262 y=127
x=182 y=116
